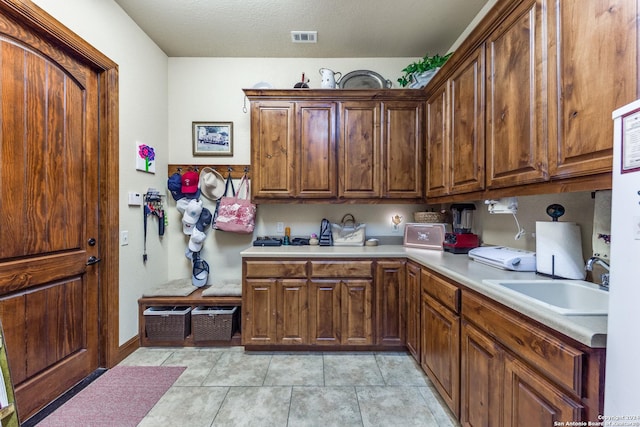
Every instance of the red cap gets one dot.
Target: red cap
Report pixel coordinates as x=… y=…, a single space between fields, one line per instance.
x=190 y=182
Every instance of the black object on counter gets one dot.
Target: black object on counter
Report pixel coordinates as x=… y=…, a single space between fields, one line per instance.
x=267 y=241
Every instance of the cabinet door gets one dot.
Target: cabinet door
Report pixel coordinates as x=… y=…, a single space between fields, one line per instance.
x=403 y=165
x=359 y=152
x=516 y=108
x=413 y=309
x=356 y=301
x=324 y=312
x=438 y=170
x=259 y=312
x=293 y=312
x=467 y=125
x=482 y=374
x=315 y=167
x=273 y=149
x=531 y=400
x=581 y=95
x=440 y=350
x=390 y=303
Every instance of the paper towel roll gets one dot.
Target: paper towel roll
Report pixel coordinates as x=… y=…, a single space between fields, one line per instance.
x=559 y=250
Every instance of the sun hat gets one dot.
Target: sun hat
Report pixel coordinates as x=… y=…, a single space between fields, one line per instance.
x=191 y=216
x=200 y=272
x=211 y=183
x=204 y=221
x=196 y=240
x=174 y=184
x=189 y=183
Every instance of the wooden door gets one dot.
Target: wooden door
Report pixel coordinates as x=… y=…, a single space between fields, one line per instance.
x=413 y=290
x=467 y=125
x=324 y=312
x=403 y=164
x=438 y=170
x=293 y=312
x=273 y=149
x=440 y=350
x=356 y=326
x=531 y=400
x=259 y=312
x=594 y=47
x=390 y=303
x=316 y=161
x=359 y=152
x=516 y=108
x=481 y=379
x=49 y=199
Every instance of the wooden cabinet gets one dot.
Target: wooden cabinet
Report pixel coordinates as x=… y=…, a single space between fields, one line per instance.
x=582 y=96
x=516 y=146
x=455 y=131
x=341 y=302
x=482 y=379
x=413 y=292
x=327 y=145
x=440 y=342
x=390 y=302
x=514 y=373
x=276 y=298
x=293 y=146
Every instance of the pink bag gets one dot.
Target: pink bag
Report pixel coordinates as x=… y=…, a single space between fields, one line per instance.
x=236 y=214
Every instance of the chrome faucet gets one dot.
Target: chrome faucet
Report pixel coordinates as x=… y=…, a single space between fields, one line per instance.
x=605 y=276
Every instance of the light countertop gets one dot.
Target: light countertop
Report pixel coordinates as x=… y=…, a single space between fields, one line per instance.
x=588 y=330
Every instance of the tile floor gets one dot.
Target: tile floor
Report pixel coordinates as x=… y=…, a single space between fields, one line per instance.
x=231 y=387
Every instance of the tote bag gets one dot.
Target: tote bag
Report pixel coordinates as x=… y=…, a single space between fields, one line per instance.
x=236 y=213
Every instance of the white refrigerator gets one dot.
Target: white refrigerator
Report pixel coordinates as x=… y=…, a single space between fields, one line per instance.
x=622 y=378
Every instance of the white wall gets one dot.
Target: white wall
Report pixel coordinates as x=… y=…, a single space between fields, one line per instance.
x=143 y=117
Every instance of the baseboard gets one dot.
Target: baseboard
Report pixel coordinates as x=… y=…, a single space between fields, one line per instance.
x=126 y=349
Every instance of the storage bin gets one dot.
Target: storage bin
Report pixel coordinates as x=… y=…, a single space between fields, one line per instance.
x=167 y=323
x=213 y=323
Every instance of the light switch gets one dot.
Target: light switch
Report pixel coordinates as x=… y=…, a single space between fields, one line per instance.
x=124 y=238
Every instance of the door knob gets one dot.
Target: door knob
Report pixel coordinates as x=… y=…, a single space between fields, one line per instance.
x=91 y=241
x=93 y=260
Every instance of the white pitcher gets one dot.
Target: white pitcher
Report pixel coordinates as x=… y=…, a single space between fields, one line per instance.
x=329 y=78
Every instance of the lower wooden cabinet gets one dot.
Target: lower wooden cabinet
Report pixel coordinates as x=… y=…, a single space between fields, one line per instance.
x=413 y=292
x=390 y=303
x=440 y=337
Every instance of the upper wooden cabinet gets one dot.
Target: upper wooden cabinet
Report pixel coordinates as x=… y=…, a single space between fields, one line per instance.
x=516 y=119
x=455 y=131
x=293 y=149
x=337 y=144
x=592 y=68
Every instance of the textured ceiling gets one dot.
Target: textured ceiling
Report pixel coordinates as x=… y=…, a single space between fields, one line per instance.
x=261 y=28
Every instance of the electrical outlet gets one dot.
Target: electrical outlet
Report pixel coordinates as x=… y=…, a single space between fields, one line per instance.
x=280 y=227
x=124 y=238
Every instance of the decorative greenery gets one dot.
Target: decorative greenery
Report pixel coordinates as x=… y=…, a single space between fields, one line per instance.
x=425 y=64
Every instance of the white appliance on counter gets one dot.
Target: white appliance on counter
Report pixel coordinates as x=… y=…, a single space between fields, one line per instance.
x=623 y=345
x=504 y=258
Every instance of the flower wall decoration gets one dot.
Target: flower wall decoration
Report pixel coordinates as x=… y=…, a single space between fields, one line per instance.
x=145 y=158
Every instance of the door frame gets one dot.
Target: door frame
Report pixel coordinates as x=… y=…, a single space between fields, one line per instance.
x=40 y=22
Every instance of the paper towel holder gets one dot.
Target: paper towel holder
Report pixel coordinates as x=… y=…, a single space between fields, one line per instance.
x=555 y=211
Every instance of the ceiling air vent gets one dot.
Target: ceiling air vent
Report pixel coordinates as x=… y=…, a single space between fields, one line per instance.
x=304 y=36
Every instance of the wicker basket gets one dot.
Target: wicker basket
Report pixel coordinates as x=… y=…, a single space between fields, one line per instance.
x=213 y=323
x=167 y=323
x=429 y=217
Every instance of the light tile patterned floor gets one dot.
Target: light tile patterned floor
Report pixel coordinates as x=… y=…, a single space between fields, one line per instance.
x=230 y=387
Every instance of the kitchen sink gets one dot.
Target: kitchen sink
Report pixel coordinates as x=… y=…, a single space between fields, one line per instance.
x=568 y=297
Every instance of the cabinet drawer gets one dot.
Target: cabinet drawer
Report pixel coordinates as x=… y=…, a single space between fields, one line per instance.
x=549 y=354
x=442 y=291
x=276 y=269
x=335 y=268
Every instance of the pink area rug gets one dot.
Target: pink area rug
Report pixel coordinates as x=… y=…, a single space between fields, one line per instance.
x=120 y=397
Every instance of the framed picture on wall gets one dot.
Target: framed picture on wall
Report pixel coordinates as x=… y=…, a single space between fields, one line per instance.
x=212 y=138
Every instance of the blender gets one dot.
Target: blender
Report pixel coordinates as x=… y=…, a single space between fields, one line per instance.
x=462 y=239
